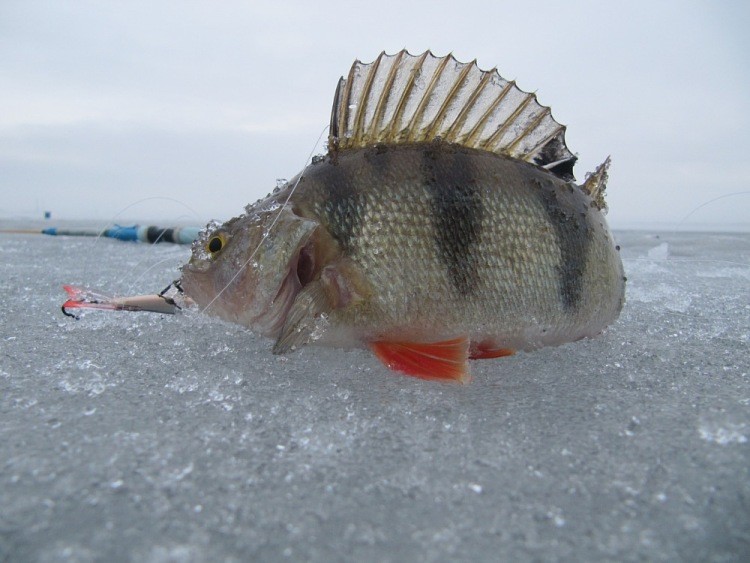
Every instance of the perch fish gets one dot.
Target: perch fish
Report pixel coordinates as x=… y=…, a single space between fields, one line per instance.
x=442 y=225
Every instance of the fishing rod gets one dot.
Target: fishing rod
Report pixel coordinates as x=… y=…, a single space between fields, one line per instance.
x=142 y=233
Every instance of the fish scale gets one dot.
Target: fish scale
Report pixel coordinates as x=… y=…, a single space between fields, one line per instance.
x=516 y=229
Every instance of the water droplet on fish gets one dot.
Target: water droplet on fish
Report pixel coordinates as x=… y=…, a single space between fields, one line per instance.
x=321 y=325
x=318 y=158
x=210 y=227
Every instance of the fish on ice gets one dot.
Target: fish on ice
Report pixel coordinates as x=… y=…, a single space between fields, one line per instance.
x=443 y=224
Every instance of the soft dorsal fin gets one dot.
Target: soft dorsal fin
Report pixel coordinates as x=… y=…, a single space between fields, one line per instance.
x=596 y=183
x=404 y=98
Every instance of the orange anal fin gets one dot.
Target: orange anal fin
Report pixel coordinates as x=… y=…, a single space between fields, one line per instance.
x=446 y=361
x=487 y=352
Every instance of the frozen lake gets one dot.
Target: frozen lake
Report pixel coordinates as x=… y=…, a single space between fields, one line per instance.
x=151 y=438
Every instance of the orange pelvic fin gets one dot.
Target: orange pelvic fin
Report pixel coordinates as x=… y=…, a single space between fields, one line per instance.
x=445 y=360
x=486 y=351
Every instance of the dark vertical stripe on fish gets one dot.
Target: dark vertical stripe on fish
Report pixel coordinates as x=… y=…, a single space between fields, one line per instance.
x=573 y=237
x=344 y=207
x=457 y=213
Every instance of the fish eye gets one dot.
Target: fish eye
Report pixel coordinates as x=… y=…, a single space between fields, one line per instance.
x=215 y=244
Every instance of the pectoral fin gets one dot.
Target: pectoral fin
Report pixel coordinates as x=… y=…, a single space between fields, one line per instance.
x=340 y=285
x=310 y=304
x=445 y=360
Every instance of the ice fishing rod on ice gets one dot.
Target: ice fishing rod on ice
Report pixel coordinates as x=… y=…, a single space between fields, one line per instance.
x=141 y=233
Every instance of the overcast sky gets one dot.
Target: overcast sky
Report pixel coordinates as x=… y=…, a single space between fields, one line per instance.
x=103 y=104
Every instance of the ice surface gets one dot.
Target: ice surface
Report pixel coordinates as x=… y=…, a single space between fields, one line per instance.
x=155 y=438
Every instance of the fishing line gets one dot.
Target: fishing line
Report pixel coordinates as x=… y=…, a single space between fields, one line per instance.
x=134 y=282
x=146 y=271
x=138 y=202
x=675 y=231
x=267 y=232
x=702 y=205
x=686 y=261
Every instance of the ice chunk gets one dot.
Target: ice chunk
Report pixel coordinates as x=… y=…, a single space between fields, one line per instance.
x=723 y=433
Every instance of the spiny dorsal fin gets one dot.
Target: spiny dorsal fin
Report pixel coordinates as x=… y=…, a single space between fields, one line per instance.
x=596 y=183
x=404 y=98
